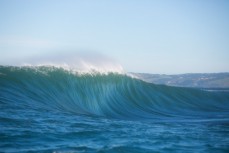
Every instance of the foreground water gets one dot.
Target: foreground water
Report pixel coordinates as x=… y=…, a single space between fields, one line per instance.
x=52 y=110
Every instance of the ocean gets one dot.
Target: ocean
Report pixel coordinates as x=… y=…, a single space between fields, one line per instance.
x=51 y=109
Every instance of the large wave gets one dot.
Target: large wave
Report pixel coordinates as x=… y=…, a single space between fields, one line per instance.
x=111 y=95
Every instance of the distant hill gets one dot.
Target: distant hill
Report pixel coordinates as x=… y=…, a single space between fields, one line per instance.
x=199 y=80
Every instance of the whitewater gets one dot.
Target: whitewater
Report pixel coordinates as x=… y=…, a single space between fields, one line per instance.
x=59 y=109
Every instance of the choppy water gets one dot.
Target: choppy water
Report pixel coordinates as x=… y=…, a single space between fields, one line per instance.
x=47 y=109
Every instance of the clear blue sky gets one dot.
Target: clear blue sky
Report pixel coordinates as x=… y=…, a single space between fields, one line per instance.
x=155 y=36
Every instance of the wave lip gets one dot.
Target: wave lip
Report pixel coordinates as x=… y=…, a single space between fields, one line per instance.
x=109 y=94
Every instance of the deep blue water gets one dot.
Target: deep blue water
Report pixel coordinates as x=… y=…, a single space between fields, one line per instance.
x=47 y=109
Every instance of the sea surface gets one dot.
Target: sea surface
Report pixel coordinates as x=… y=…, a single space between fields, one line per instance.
x=49 y=109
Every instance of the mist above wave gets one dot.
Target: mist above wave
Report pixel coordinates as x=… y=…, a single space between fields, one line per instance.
x=81 y=62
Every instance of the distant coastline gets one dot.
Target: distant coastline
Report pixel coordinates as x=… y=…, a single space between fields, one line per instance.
x=208 y=81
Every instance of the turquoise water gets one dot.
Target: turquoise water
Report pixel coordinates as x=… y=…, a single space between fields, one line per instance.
x=48 y=109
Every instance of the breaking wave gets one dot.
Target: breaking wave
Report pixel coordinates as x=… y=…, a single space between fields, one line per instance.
x=110 y=94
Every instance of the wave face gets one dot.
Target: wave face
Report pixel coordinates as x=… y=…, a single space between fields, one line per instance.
x=109 y=95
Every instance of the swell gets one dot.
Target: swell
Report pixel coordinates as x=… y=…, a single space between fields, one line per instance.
x=109 y=95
